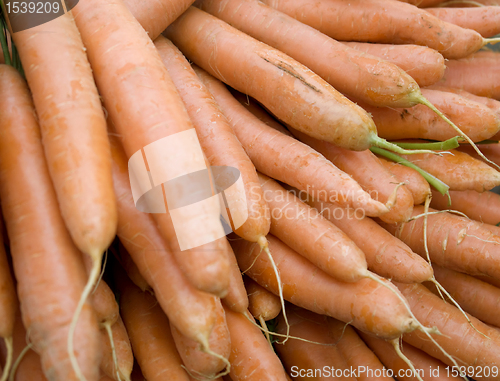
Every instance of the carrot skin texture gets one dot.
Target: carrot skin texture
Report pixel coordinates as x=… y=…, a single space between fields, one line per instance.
x=217 y=138
x=73 y=130
x=301 y=279
x=262 y=303
x=125 y=357
x=236 y=298
x=269 y=149
x=105 y=305
x=209 y=42
x=30 y=205
x=425 y=65
x=383 y=83
x=382 y=21
x=8 y=298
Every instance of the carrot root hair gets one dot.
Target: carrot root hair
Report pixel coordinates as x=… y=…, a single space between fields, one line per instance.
x=266 y=333
x=9 y=344
x=401 y=355
x=107 y=326
x=18 y=361
x=205 y=347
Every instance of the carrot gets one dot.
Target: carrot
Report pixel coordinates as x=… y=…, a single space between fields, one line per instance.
x=483 y=207
x=478 y=352
x=199 y=363
x=462 y=74
x=325 y=295
x=262 y=304
x=252 y=358
x=297 y=164
x=30 y=205
x=131 y=269
x=117 y=352
x=124 y=58
x=385 y=255
x=414 y=182
x=374 y=178
x=475 y=296
x=304 y=230
x=490 y=280
x=384 y=22
x=236 y=297
x=191 y=310
x=155 y=16
x=454 y=242
x=484 y=20
x=426 y=66
x=218 y=142
x=427 y=367
x=311 y=361
x=105 y=305
x=148 y=329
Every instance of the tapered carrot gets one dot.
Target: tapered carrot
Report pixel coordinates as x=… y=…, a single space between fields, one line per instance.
x=454 y=242
x=306 y=170
x=251 y=356
x=479 y=351
x=426 y=66
x=414 y=182
x=365 y=168
x=484 y=20
x=105 y=305
x=262 y=303
x=30 y=205
x=427 y=367
x=383 y=21
x=148 y=329
x=476 y=297
x=155 y=16
x=236 y=298
x=461 y=74
x=123 y=58
x=385 y=255
x=483 y=207
x=191 y=310
x=218 y=140
x=308 y=287
x=119 y=349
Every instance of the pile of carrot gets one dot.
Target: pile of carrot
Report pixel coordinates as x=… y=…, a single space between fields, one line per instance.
x=242 y=190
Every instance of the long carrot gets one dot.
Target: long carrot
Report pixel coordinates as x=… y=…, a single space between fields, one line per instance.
x=118 y=359
x=484 y=20
x=308 y=287
x=297 y=164
x=30 y=205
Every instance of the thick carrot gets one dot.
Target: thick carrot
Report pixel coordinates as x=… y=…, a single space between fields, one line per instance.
x=454 y=242
x=73 y=130
x=284 y=158
x=382 y=21
x=29 y=204
x=483 y=207
x=427 y=367
x=123 y=352
x=262 y=303
x=308 y=287
x=218 y=140
x=191 y=310
x=124 y=59
x=385 y=255
x=462 y=74
x=374 y=178
x=476 y=297
x=414 y=182
x=478 y=352
x=148 y=329
x=311 y=361
x=474 y=119
x=252 y=358
x=155 y=16
x=311 y=235
x=425 y=65
x=484 y=20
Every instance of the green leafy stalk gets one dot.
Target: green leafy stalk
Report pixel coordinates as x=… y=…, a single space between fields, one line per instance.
x=439 y=146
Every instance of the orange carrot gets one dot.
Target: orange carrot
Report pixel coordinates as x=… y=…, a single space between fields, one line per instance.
x=262 y=303
x=483 y=207
x=30 y=205
x=414 y=182
x=385 y=255
x=297 y=164
x=311 y=235
x=484 y=20
x=252 y=358
x=383 y=21
x=324 y=294
x=121 y=347
x=236 y=297
x=426 y=66
x=454 y=242
x=131 y=269
x=105 y=305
